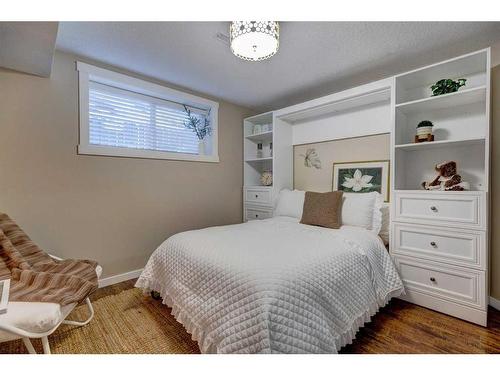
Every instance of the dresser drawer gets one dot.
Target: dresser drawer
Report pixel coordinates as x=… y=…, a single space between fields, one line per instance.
x=449 y=208
x=257 y=195
x=257 y=213
x=455 y=284
x=440 y=244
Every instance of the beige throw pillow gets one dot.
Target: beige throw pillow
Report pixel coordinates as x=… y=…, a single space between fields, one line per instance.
x=322 y=209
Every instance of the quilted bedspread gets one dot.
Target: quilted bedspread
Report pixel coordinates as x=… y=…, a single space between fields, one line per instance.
x=272 y=286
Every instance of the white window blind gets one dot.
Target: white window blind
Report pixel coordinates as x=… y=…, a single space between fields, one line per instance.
x=121 y=118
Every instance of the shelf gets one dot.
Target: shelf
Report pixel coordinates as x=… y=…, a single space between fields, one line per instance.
x=413 y=191
x=263 y=118
x=439 y=144
x=456 y=99
x=264 y=136
x=336 y=106
x=258 y=159
x=458 y=67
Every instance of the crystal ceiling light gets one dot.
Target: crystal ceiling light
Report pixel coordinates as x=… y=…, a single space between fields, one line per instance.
x=254 y=40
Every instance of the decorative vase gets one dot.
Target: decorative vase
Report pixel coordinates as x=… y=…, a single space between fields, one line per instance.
x=201 y=147
x=266 y=178
x=424 y=131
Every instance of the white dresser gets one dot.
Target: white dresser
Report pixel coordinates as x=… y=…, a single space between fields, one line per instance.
x=439 y=239
x=439 y=245
x=257 y=203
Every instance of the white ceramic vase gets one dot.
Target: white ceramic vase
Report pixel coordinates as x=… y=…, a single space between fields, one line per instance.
x=201 y=147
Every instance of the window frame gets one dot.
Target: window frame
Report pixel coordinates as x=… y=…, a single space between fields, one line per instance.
x=87 y=73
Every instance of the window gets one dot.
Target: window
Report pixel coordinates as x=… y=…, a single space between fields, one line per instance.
x=125 y=116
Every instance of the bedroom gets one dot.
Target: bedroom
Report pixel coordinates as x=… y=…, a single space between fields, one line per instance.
x=193 y=180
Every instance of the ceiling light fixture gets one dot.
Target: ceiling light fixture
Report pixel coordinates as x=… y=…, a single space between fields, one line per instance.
x=254 y=40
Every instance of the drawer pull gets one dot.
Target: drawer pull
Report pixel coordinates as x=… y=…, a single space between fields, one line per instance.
x=256 y=215
x=433 y=279
x=433 y=244
x=256 y=195
x=434 y=209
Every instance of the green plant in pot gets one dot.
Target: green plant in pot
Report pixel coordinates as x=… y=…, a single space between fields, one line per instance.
x=424 y=129
x=200 y=125
x=446 y=86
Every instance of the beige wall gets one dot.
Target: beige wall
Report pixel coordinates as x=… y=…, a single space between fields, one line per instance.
x=114 y=210
x=368 y=148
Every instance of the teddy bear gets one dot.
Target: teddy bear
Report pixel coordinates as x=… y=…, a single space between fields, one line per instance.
x=447 y=178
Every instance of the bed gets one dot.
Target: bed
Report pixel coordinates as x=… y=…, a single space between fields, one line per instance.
x=272 y=286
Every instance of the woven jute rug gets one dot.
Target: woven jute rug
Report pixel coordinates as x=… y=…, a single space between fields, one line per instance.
x=126 y=322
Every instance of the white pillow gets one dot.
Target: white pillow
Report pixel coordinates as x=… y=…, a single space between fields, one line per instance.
x=362 y=210
x=290 y=203
x=386 y=218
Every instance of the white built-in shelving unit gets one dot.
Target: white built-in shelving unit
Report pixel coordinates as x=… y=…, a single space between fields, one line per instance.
x=439 y=239
x=257 y=198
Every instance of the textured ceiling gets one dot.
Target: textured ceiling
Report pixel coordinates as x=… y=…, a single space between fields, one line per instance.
x=315 y=58
x=28 y=46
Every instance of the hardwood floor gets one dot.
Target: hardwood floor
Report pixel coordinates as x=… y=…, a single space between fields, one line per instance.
x=400 y=327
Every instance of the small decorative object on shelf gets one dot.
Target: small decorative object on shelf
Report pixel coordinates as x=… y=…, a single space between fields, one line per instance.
x=446 y=86
x=257 y=129
x=447 y=178
x=271 y=149
x=259 y=150
x=424 y=132
x=4 y=295
x=266 y=178
x=200 y=125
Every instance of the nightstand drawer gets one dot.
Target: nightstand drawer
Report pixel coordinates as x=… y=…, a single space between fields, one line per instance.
x=440 y=244
x=450 y=208
x=454 y=284
x=257 y=195
x=257 y=213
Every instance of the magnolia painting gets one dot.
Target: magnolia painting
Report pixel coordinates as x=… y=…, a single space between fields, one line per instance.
x=362 y=177
x=311 y=159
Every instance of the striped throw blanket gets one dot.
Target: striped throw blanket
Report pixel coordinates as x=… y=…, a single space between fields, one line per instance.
x=35 y=276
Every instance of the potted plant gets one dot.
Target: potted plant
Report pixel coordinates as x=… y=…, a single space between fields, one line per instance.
x=200 y=126
x=424 y=130
x=446 y=86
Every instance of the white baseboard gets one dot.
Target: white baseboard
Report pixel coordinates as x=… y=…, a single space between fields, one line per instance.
x=495 y=303
x=115 y=279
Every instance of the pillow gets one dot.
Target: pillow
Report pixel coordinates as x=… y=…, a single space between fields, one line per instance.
x=290 y=203
x=384 y=230
x=362 y=210
x=322 y=209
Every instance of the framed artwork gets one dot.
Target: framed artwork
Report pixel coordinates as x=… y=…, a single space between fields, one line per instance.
x=362 y=177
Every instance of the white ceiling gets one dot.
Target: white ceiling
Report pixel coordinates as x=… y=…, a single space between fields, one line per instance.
x=28 y=46
x=315 y=58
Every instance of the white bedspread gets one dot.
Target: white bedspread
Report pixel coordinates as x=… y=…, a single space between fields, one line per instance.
x=272 y=286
